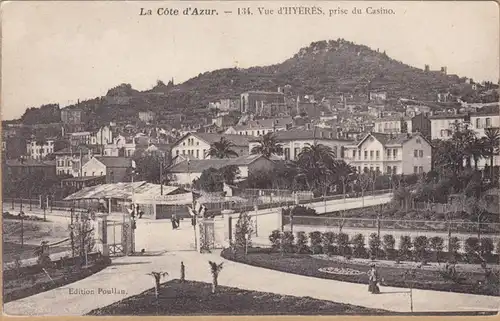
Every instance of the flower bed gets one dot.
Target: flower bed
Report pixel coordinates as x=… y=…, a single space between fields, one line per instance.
x=340 y=271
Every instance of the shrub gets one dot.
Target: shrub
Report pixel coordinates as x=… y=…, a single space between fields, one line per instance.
x=301 y=242
x=242 y=229
x=471 y=248
x=343 y=243
x=287 y=242
x=436 y=244
x=374 y=244
x=388 y=243
x=486 y=247
x=275 y=239
x=316 y=239
x=300 y=210
x=453 y=247
x=405 y=246
x=420 y=248
x=358 y=243
x=328 y=239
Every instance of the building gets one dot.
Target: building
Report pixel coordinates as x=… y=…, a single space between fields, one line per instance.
x=17 y=168
x=185 y=172
x=390 y=154
x=226 y=105
x=147 y=116
x=197 y=145
x=121 y=147
x=293 y=141
x=39 y=149
x=420 y=123
x=481 y=120
x=116 y=169
x=252 y=100
x=77 y=183
x=80 y=138
x=413 y=110
x=72 y=116
x=261 y=127
x=392 y=125
x=102 y=137
x=442 y=125
x=69 y=161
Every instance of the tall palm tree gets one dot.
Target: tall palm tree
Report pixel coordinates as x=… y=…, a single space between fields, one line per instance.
x=491 y=144
x=268 y=145
x=474 y=150
x=222 y=149
x=344 y=171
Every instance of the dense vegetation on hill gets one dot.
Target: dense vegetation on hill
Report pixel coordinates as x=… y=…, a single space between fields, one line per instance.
x=321 y=69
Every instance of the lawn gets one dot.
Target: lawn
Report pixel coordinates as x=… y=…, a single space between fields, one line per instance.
x=11 y=251
x=305 y=264
x=195 y=298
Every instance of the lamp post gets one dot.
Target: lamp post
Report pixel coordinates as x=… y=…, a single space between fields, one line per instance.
x=21 y=214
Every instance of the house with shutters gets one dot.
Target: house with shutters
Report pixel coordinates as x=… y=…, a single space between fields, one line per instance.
x=197 y=145
x=294 y=140
x=390 y=154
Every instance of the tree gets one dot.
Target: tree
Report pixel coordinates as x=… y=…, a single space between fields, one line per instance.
x=268 y=146
x=152 y=169
x=222 y=149
x=345 y=173
x=316 y=164
x=211 y=179
x=215 y=270
x=243 y=231
x=491 y=145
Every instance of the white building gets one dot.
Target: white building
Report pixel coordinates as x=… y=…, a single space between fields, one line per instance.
x=260 y=127
x=197 y=145
x=480 y=121
x=293 y=141
x=390 y=154
x=442 y=125
x=39 y=149
x=120 y=147
x=392 y=125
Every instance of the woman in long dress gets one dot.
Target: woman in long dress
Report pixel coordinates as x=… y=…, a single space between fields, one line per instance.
x=373 y=280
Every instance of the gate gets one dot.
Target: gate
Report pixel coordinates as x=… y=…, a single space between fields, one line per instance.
x=120 y=237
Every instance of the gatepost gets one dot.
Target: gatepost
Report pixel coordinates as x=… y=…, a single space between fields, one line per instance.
x=101 y=235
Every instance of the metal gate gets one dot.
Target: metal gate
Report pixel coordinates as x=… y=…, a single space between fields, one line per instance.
x=120 y=237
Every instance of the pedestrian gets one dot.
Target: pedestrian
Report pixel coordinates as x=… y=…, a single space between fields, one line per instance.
x=373 y=280
x=141 y=213
x=174 y=221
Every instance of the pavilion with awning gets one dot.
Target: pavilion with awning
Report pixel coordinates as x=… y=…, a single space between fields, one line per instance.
x=155 y=200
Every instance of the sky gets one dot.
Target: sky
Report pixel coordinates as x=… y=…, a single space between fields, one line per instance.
x=59 y=52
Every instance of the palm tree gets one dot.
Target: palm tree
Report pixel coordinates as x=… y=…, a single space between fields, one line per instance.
x=268 y=145
x=157 y=278
x=215 y=270
x=222 y=149
x=316 y=164
x=343 y=171
x=474 y=150
x=491 y=144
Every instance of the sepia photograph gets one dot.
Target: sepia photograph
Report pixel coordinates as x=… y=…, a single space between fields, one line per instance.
x=250 y=158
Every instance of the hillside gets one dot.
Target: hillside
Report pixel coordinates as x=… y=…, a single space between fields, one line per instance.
x=322 y=69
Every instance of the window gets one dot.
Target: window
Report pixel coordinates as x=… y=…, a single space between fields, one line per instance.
x=488 y=122
x=389 y=170
x=335 y=151
x=102 y=173
x=478 y=122
x=415 y=169
x=93 y=173
x=176 y=152
x=366 y=154
x=296 y=152
x=421 y=153
x=371 y=155
x=258 y=132
x=197 y=143
x=183 y=143
x=197 y=153
x=84 y=173
x=287 y=153
x=354 y=154
x=415 y=153
x=204 y=153
x=377 y=169
x=420 y=169
x=377 y=155
x=183 y=152
x=395 y=153
x=371 y=169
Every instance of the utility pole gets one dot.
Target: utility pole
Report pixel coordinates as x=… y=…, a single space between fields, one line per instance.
x=161 y=177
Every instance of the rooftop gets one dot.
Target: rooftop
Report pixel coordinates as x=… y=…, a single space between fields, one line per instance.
x=111 y=161
x=265 y=123
x=237 y=140
x=30 y=163
x=388 y=139
x=199 y=165
x=301 y=134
